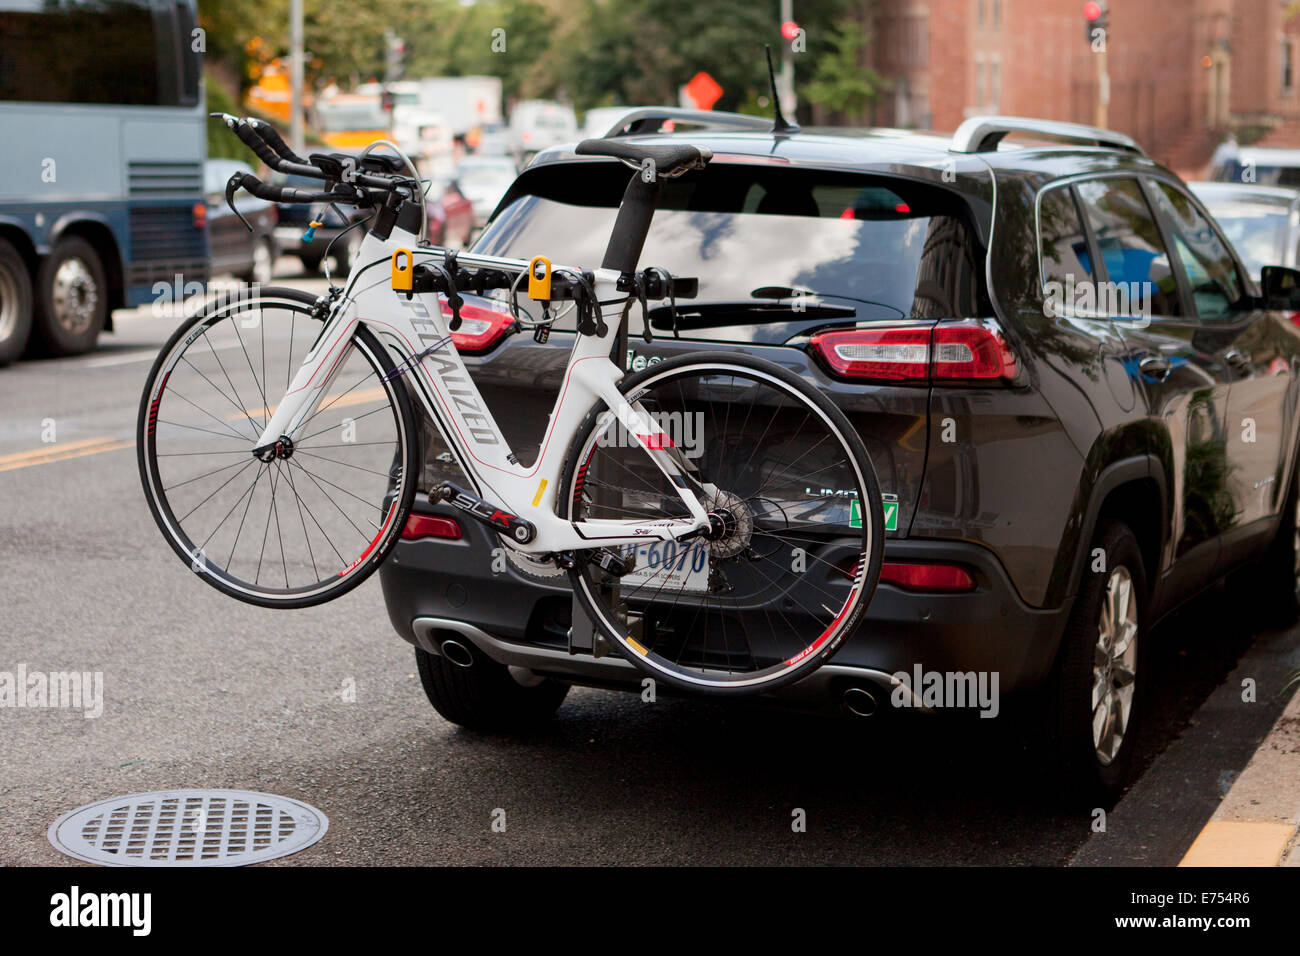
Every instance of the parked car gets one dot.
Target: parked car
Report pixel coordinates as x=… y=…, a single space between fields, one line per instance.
x=1255 y=165
x=484 y=180
x=249 y=256
x=1062 y=470
x=1261 y=222
x=494 y=140
x=539 y=124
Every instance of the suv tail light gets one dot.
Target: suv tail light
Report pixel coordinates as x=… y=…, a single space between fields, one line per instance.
x=918 y=576
x=481 y=326
x=948 y=352
x=913 y=576
x=430 y=526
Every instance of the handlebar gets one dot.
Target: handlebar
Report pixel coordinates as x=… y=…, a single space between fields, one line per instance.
x=272 y=138
x=272 y=150
x=286 y=194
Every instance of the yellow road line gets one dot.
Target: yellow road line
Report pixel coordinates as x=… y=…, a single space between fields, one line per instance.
x=1239 y=843
x=62 y=451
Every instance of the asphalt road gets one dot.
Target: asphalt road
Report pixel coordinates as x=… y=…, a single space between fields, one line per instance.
x=203 y=691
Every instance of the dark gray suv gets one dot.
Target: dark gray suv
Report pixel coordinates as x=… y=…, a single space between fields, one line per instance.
x=1080 y=408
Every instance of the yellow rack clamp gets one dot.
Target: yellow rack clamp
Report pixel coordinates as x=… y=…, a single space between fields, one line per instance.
x=539 y=280
x=403 y=272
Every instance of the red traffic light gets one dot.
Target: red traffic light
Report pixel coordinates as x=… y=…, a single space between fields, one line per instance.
x=789 y=29
x=1092 y=10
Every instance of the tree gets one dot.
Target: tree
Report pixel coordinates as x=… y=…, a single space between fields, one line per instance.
x=840 y=82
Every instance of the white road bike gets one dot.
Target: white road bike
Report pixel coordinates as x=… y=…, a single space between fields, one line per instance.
x=717 y=516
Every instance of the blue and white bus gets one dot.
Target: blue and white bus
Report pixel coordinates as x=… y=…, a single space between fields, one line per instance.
x=102 y=144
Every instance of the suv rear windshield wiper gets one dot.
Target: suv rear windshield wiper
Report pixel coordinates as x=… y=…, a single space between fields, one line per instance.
x=788 y=292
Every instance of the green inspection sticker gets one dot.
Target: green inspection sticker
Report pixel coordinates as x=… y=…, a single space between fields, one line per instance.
x=888 y=505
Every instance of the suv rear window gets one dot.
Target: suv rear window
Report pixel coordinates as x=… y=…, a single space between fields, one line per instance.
x=872 y=247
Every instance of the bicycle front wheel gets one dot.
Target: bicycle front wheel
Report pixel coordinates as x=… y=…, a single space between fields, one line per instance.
x=320 y=515
x=788 y=573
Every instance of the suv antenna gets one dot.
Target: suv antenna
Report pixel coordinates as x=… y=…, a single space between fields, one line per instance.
x=779 y=122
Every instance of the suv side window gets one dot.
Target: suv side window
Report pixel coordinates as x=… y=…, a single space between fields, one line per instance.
x=1062 y=244
x=1132 y=252
x=1211 y=271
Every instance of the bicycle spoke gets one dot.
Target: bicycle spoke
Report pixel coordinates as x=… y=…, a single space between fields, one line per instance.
x=759 y=611
x=215 y=506
x=251 y=461
x=306 y=537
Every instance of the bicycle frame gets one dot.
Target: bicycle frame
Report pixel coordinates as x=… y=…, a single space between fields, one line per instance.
x=409 y=327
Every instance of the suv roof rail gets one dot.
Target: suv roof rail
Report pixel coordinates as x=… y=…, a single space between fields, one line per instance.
x=647 y=119
x=981 y=134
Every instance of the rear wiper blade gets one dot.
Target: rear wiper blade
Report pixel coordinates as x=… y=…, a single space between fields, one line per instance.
x=708 y=315
x=789 y=292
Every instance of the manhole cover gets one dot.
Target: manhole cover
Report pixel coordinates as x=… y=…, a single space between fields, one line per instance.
x=188 y=828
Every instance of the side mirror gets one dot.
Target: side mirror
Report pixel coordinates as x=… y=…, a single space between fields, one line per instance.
x=1281 y=287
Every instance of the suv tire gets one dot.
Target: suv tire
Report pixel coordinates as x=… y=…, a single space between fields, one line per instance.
x=1094 y=668
x=484 y=696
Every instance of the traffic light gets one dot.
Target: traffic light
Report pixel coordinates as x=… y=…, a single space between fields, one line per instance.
x=1096 y=17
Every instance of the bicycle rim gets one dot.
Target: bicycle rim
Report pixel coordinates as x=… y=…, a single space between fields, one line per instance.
x=774 y=595
x=314 y=521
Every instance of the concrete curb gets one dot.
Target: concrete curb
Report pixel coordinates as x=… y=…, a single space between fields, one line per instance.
x=1258 y=822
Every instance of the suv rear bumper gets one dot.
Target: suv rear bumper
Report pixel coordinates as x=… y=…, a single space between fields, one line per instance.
x=438 y=589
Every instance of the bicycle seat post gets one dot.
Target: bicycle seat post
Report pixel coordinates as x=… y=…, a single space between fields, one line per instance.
x=635 y=214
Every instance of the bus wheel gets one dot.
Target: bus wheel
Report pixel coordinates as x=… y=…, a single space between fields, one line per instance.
x=15 y=303
x=72 y=298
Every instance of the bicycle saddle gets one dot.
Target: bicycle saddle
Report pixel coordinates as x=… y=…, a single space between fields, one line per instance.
x=670 y=159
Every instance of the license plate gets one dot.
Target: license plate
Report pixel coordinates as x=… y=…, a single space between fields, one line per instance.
x=670 y=565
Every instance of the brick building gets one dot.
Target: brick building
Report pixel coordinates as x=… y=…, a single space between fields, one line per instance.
x=1183 y=74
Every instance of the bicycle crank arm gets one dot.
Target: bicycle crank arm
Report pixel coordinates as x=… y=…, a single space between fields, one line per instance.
x=486 y=513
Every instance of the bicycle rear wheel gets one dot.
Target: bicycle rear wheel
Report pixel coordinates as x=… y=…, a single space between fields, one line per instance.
x=317 y=518
x=772 y=594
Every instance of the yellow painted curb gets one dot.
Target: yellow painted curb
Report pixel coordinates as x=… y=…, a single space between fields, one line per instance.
x=1238 y=843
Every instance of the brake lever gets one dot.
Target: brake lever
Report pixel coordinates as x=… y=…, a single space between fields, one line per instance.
x=232 y=187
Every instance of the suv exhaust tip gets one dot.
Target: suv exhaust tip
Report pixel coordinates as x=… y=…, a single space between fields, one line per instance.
x=456 y=653
x=859 y=702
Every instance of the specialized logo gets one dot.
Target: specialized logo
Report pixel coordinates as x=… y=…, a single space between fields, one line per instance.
x=451 y=374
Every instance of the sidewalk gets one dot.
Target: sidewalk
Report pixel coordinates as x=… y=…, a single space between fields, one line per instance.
x=1258 y=822
x=1226 y=745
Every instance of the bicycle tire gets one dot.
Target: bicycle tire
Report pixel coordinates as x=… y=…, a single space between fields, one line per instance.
x=404 y=476
x=584 y=576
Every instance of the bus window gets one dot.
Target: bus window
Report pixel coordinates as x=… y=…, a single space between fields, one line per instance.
x=90 y=52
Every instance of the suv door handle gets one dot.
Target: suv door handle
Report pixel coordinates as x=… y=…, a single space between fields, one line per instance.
x=1155 y=365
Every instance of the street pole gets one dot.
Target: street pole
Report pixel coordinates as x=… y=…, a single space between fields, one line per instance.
x=295 y=76
x=787 y=64
x=1103 y=89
